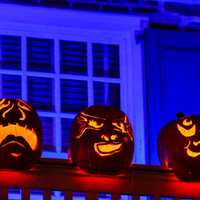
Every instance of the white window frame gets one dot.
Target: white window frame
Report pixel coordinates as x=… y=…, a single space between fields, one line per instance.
x=105 y=28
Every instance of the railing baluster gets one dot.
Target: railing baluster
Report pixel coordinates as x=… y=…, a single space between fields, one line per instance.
x=176 y=198
x=25 y=194
x=47 y=194
x=156 y=197
x=135 y=197
x=92 y=196
x=4 y=194
x=68 y=195
x=115 y=196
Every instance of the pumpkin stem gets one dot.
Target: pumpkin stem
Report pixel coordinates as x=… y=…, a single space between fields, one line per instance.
x=180 y=114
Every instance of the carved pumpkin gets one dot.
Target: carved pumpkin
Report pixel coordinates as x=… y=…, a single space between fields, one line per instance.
x=20 y=134
x=179 y=147
x=102 y=140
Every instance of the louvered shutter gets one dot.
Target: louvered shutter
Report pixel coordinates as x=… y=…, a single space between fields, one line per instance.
x=73 y=83
x=66 y=128
x=40 y=93
x=40 y=54
x=107 y=93
x=48 y=134
x=73 y=57
x=10 y=52
x=74 y=95
x=105 y=60
x=11 y=86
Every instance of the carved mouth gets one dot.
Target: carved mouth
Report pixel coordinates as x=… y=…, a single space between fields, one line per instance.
x=16 y=155
x=19 y=131
x=13 y=142
x=107 y=148
x=191 y=153
x=15 y=151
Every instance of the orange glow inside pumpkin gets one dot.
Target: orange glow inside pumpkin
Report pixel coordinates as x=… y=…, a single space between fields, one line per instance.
x=106 y=148
x=94 y=124
x=110 y=145
x=16 y=155
x=16 y=130
x=191 y=153
x=21 y=106
x=119 y=126
x=3 y=104
x=91 y=123
x=187 y=132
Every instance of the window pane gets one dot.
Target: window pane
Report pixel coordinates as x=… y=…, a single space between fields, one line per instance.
x=36 y=194
x=14 y=193
x=40 y=93
x=104 y=196
x=40 y=54
x=11 y=86
x=10 y=52
x=73 y=57
x=79 y=196
x=107 y=94
x=125 y=197
x=105 y=60
x=73 y=95
x=66 y=128
x=48 y=133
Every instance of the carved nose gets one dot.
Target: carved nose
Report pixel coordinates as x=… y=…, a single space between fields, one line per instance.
x=113 y=137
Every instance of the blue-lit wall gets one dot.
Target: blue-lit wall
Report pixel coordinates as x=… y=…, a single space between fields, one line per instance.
x=172 y=70
x=61 y=77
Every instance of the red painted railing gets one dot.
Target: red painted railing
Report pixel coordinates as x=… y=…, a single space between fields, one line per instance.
x=60 y=175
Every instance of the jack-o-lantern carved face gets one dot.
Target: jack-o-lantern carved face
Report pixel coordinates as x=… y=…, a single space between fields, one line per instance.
x=179 y=147
x=188 y=127
x=102 y=140
x=20 y=134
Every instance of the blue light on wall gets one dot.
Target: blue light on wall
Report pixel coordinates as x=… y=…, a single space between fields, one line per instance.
x=60 y=72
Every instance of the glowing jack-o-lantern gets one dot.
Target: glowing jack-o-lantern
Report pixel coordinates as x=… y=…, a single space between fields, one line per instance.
x=20 y=134
x=102 y=140
x=179 y=147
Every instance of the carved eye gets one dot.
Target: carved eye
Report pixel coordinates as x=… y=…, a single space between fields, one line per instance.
x=104 y=137
x=24 y=105
x=187 y=132
x=119 y=126
x=95 y=124
x=81 y=118
x=3 y=104
x=187 y=122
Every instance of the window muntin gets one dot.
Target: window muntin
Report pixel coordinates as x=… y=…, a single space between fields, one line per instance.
x=60 y=81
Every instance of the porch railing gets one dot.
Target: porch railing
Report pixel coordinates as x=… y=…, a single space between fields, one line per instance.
x=140 y=180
